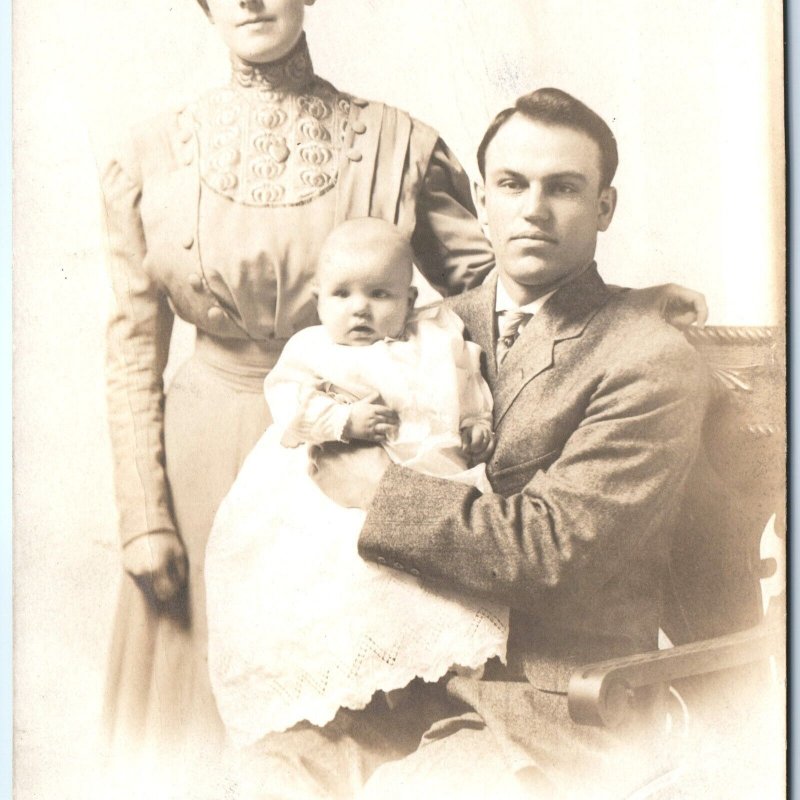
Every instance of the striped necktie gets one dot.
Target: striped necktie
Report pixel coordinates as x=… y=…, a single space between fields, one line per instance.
x=509 y=324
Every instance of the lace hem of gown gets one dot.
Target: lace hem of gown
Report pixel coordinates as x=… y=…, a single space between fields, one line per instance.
x=300 y=625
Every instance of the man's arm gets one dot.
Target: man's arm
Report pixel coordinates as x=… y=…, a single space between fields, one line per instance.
x=581 y=520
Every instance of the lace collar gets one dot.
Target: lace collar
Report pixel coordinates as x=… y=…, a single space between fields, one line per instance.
x=293 y=72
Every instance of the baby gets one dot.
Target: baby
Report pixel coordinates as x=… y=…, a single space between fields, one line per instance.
x=299 y=624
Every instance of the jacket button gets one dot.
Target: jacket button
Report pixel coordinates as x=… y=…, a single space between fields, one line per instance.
x=354 y=155
x=196 y=281
x=358 y=126
x=215 y=314
x=381 y=560
x=360 y=102
x=398 y=565
x=414 y=572
x=188 y=242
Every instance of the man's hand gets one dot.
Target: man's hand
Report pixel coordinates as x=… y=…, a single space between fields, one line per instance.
x=348 y=473
x=157 y=563
x=679 y=306
x=370 y=421
x=477 y=441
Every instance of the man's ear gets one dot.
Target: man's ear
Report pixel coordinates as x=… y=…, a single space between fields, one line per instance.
x=412 y=296
x=607 y=203
x=480 y=203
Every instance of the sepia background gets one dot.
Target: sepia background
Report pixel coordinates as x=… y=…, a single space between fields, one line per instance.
x=692 y=90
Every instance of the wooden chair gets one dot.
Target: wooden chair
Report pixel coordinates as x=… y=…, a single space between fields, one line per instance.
x=725 y=595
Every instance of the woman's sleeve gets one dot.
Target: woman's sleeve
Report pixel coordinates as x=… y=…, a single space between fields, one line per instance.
x=449 y=246
x=138 y=338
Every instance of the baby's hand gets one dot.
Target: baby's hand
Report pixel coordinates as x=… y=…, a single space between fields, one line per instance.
x=370 y=421
x=477 y=441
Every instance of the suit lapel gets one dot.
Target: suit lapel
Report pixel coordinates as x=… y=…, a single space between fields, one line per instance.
x=564 y=316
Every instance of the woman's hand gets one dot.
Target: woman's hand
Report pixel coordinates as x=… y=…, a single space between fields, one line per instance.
x=158 y=565
x=679 y=306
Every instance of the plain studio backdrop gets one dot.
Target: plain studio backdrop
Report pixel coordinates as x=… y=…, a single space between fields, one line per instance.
x=692 y=90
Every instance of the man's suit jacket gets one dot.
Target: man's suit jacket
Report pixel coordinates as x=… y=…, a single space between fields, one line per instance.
x=598 y=408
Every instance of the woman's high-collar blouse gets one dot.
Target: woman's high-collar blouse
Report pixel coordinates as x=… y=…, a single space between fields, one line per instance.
x=217 y=213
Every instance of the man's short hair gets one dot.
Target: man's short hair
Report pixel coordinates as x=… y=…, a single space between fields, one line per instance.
x=554 y=107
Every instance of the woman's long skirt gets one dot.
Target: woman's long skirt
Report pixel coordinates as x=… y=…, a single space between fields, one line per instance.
x=158 y=698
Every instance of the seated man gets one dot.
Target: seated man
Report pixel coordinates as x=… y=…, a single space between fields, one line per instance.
x=598 y=410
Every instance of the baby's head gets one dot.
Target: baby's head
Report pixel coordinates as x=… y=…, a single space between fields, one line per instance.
x=364 y=289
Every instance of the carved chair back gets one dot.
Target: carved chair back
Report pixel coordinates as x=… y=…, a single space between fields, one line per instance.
x=735 y=502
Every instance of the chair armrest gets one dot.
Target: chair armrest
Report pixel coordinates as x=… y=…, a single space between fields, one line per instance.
x=601 y=694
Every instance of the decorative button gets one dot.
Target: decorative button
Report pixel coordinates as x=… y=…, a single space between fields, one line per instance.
x=187 y=159
x=398 y=565
x=279 y=151
x=215 y=314
x=188 y=242
x=414 y=572
x=186 y=135
x=360 y=102
x=358 y=126
x=354 y=155
x=196 y=281
x=381 y=560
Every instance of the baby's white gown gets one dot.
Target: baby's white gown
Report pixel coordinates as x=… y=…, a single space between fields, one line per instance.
x=299 y=624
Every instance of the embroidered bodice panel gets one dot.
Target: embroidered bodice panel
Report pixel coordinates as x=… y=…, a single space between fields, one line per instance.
x=274 y=136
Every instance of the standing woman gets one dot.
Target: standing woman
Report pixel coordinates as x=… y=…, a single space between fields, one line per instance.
x=217 y=213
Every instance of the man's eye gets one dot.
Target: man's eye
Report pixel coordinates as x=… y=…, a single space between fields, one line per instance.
x=510 y=184
x=379 y=294
x=565 y=188
x=340 y=293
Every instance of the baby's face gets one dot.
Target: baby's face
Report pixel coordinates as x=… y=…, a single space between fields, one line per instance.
x=364 y=298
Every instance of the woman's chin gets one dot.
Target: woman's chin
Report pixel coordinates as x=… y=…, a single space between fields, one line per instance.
x=258 y=56
x=261 y=50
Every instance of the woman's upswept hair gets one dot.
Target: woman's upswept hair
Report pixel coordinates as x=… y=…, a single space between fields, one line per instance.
x=554 y=107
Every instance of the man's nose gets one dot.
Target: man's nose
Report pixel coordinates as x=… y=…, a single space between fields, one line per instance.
x=536 y=204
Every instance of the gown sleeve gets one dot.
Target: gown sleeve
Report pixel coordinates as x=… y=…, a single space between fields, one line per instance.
x=449 y=246
x=308 y=409
x=138 y=336
x=475 y=395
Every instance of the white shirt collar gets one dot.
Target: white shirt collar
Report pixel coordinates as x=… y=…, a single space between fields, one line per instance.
x=503 y=301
